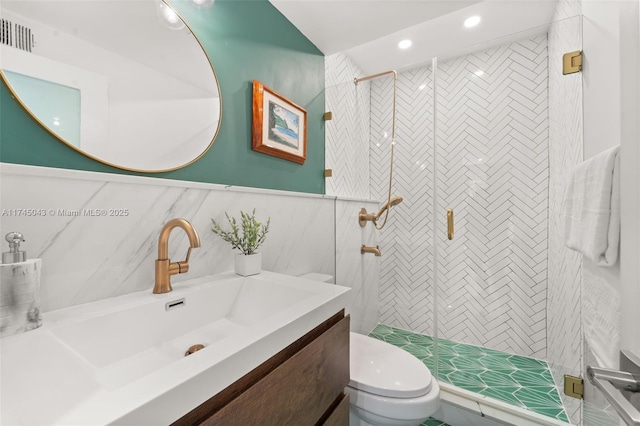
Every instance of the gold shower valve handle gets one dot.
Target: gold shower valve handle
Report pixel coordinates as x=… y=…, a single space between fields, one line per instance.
x=364 y=217
x=450 y=224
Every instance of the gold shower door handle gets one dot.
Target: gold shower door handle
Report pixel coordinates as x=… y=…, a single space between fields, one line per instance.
x=450 y=224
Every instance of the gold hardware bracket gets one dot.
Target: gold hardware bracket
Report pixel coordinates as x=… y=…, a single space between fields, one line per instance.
x=450 y=224
x=572 y=62
x=574 y=386
x=328 y=116
x=328 y=173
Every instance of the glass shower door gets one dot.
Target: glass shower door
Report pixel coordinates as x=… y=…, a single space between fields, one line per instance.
x=506 y=326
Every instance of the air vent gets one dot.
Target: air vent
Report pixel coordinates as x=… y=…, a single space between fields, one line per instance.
x=16 y=35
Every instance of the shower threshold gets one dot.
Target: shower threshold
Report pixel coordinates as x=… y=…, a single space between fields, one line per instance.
x=510 y=388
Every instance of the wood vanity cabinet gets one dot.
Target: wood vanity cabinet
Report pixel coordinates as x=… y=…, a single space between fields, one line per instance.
x=301 y=385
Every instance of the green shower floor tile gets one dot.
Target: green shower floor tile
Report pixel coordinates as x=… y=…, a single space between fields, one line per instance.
x=539 y=397
x=467 y=363
x=518 y=380
x=463 y=378
x=418 y=351
x=492 y=362
x=445 y=363
x=468 y=350
x=429 y=362
x=522 y=362
x=530 y=378
x=397 y=339
x=420 y=339
x=495 y=352
x=446 y=351
x=498 y=379
x=557 y=413
x=443 y=375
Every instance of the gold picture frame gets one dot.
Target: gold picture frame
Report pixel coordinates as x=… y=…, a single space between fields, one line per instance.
x=279 y=126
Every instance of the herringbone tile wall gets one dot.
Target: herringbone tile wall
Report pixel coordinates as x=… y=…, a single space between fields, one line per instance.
x=347 y=134
x=493 y=151
x=406 y=281
x=492 y=169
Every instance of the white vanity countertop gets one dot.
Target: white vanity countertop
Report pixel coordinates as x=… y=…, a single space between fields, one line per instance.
x=105 y=363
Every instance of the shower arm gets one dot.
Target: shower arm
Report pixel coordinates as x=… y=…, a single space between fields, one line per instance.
x=393 y=136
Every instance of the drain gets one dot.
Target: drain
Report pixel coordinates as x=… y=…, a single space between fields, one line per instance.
x=194 y=348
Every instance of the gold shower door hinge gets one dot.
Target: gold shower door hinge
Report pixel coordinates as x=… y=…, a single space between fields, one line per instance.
x=571 y=62
x=574 y=386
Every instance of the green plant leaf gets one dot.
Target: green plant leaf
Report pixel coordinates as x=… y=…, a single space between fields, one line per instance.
x=246 y=236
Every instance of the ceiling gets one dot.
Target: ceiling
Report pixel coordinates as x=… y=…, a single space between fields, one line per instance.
x=368 y=31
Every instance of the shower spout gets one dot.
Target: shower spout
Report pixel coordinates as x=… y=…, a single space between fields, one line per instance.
x=375 y=250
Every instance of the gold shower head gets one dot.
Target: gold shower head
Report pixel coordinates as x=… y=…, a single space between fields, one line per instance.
x=364 y=217
x=392 y=202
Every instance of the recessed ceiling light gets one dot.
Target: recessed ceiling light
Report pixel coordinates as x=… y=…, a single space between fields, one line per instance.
x=404 y=44
x=472 y=21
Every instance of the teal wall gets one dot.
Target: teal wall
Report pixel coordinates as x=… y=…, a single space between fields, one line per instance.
x=245 y=40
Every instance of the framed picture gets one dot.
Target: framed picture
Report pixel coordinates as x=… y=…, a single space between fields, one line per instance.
x=279 y=126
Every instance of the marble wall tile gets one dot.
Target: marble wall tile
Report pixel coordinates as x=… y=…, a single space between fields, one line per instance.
x=347 y=134
x=86 y=258
x=355 y=270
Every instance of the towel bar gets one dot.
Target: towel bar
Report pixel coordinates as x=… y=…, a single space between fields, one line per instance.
x=613 y=383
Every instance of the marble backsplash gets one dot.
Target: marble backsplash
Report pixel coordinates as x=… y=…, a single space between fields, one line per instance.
x=355 y=270
x=88 y=255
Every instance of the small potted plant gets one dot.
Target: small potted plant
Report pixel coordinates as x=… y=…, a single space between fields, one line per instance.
x=245 y=236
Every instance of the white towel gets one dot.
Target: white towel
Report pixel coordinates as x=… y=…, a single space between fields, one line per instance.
x=592 y=208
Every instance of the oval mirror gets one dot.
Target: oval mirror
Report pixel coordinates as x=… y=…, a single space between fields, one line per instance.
x=124 y=82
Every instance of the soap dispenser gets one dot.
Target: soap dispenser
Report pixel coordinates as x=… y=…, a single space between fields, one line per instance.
x=14 y=255
x=19 y=289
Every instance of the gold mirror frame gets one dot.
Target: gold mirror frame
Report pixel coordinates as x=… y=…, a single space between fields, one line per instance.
x=25 y=107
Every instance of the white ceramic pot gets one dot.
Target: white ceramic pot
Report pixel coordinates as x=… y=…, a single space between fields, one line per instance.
x=248 y=264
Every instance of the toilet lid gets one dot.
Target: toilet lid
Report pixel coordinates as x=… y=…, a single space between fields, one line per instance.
x=380 y=368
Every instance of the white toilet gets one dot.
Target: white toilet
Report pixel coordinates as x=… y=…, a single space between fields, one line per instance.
x=388 y=386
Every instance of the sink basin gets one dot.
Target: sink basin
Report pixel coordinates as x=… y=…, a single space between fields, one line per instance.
x=131 y=342
x=123 y=359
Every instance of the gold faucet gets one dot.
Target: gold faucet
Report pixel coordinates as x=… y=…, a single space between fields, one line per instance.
x=375 y=250
x=164 y=267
